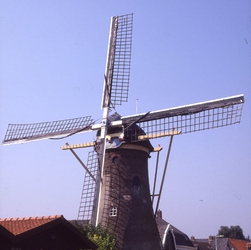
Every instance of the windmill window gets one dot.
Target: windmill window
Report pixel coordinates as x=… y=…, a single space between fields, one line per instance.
x=136 y=181
x=115 y=159
x=113 y=211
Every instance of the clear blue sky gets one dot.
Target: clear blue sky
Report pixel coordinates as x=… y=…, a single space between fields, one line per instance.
x=52 y=62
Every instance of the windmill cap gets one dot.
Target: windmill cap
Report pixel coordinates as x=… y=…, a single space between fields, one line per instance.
x=129 y=132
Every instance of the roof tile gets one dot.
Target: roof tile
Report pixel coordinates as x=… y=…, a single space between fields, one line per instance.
x=20 y=225
x=240 y=244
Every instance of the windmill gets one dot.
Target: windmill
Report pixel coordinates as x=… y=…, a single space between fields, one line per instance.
x=116 y=187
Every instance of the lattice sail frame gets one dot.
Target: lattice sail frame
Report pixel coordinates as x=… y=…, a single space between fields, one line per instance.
x=19 y=133
x=187 y=119
x=122 y=60
x=117 y=73
x=88 y=191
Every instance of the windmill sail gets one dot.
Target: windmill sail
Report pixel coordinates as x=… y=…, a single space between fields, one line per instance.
x=117 y=73
x=87 y=197
x=115 y=90
x=116 y=185
x=186 y=119
x=20 y=133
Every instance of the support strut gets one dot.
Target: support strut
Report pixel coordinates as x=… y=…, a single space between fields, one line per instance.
x=163 y=177
x=87 y=170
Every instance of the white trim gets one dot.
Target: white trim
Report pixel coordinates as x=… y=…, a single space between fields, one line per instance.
x=212 y=102
x=169 y=228
x=135 y=146
x=107 y=62
x=181 y=247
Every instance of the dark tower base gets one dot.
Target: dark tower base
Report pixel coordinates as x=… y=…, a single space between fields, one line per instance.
x=126 y=202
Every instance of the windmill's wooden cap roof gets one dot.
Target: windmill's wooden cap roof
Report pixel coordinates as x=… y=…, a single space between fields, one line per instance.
x=127 y=134
x=20 y=225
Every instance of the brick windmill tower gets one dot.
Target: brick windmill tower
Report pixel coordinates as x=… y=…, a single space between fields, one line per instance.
x=116 y=190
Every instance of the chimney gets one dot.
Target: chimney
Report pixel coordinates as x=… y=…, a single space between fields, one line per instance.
x=210 y=239
x=159 y=214
x=192 y=238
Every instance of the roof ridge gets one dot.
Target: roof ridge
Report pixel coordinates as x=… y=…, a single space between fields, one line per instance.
x=238 y=239
x=33 y=218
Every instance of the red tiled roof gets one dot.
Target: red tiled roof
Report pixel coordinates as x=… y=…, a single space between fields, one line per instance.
x=240 y=244
x=21 y=225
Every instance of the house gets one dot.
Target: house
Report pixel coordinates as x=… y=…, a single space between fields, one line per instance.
x=210 y=243
x=202 y=245
x=171 y=237
x=235 y=244
x=218 y=243
x=51 y=232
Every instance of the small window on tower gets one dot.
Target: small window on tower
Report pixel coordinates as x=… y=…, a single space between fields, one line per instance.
x=136 y=181
x=115 y=160
x=113 y=211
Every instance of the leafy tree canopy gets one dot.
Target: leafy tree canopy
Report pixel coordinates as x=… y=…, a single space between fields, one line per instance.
x=233 y=232
x=102 y=237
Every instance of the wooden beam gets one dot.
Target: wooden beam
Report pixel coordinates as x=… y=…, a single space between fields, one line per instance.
x=82 y=145
x=152 y=136
x=159 y=148
x=86 y=169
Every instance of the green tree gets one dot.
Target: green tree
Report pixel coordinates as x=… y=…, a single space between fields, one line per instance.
x=233 y=232
x=102 y=237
